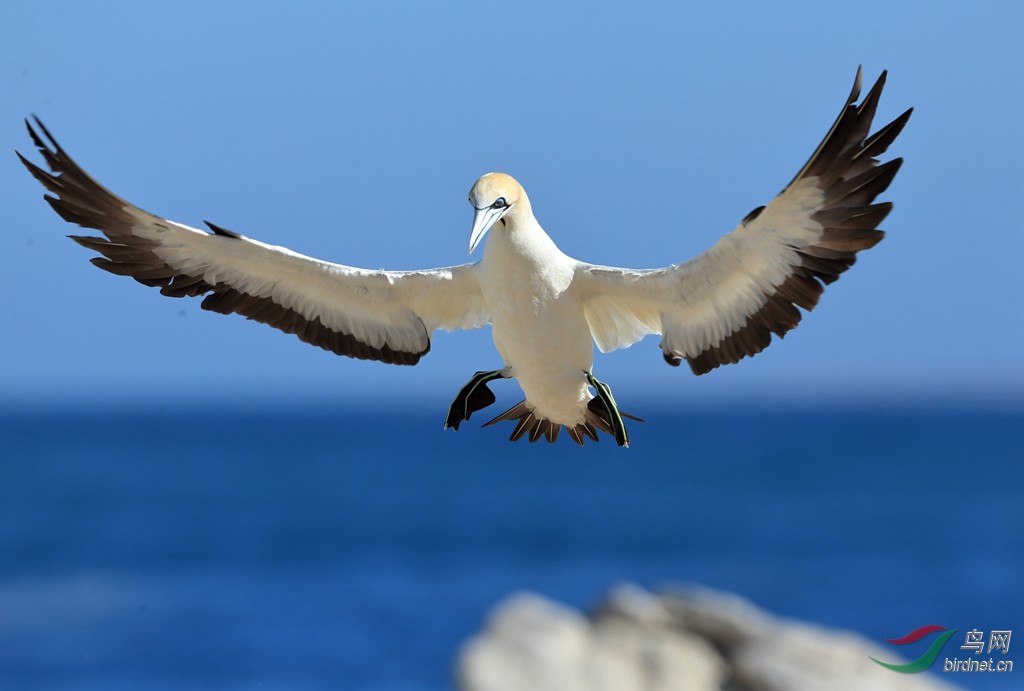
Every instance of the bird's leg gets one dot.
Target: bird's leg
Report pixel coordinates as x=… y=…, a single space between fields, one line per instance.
x=603 y=405
x=472 y=397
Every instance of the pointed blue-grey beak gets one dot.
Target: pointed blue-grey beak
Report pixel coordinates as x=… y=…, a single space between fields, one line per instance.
x=482 y=222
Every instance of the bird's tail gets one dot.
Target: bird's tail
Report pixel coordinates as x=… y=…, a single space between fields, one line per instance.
x=529 y=424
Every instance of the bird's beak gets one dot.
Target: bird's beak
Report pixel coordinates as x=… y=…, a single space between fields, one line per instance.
x=482 y=222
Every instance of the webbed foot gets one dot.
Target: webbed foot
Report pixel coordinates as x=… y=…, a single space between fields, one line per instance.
x=606 y=414
x=474 y=396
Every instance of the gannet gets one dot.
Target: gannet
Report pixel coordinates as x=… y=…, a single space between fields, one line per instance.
x=546 y=309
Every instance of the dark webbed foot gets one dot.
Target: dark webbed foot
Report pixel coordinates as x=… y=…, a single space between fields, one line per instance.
x=474 y=396
x=604 y=413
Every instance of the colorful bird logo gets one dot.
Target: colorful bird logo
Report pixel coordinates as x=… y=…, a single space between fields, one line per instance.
x=925 y=661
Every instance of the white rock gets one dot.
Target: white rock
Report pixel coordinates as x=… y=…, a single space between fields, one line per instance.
x=533 y=644
x=768 y=653
x=686 y=640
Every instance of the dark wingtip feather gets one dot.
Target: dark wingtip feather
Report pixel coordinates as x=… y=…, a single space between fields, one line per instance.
x=48 y=147
x=36 y=140
x=218 y=230
x=850 y=177
x=858 y=80
x=79 y=199
x=879 y=142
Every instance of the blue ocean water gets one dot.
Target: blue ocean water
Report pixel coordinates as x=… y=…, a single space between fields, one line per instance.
x=181 y=547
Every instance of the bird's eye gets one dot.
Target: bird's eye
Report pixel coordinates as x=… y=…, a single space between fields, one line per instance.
x=499 y=203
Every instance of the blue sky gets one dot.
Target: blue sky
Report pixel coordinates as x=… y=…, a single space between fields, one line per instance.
x=643 y=133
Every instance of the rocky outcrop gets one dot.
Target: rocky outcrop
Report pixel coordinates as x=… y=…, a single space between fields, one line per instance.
x=685 y=640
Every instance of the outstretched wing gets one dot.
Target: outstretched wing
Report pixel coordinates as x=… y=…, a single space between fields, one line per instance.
x=371 y=315
x=726 y=303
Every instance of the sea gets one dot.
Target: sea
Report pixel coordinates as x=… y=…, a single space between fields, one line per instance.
x=181 y=545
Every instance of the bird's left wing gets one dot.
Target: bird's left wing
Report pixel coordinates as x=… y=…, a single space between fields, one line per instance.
x=726 y=303
x=372 y=315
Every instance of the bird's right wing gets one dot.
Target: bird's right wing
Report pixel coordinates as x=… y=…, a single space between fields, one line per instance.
x=371 y=315
x=727 y=303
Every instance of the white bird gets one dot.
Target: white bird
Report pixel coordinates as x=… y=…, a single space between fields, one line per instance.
x=546 y=309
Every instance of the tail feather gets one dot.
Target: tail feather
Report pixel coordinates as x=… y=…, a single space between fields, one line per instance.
x=530 y=425
x=576 y=435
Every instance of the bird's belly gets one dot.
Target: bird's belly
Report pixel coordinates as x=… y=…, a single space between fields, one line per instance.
x=549 y=350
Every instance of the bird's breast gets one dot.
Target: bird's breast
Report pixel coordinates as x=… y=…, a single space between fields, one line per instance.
x=538 y=326
x=524 y=276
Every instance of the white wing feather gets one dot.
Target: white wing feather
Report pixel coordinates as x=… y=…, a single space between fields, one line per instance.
x=698 y=303
x=728 y=302
x=380 y=315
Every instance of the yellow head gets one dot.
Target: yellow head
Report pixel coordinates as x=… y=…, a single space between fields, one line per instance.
x=496 y=197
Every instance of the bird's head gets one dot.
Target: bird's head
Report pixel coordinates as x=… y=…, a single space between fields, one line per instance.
x=496 y=197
